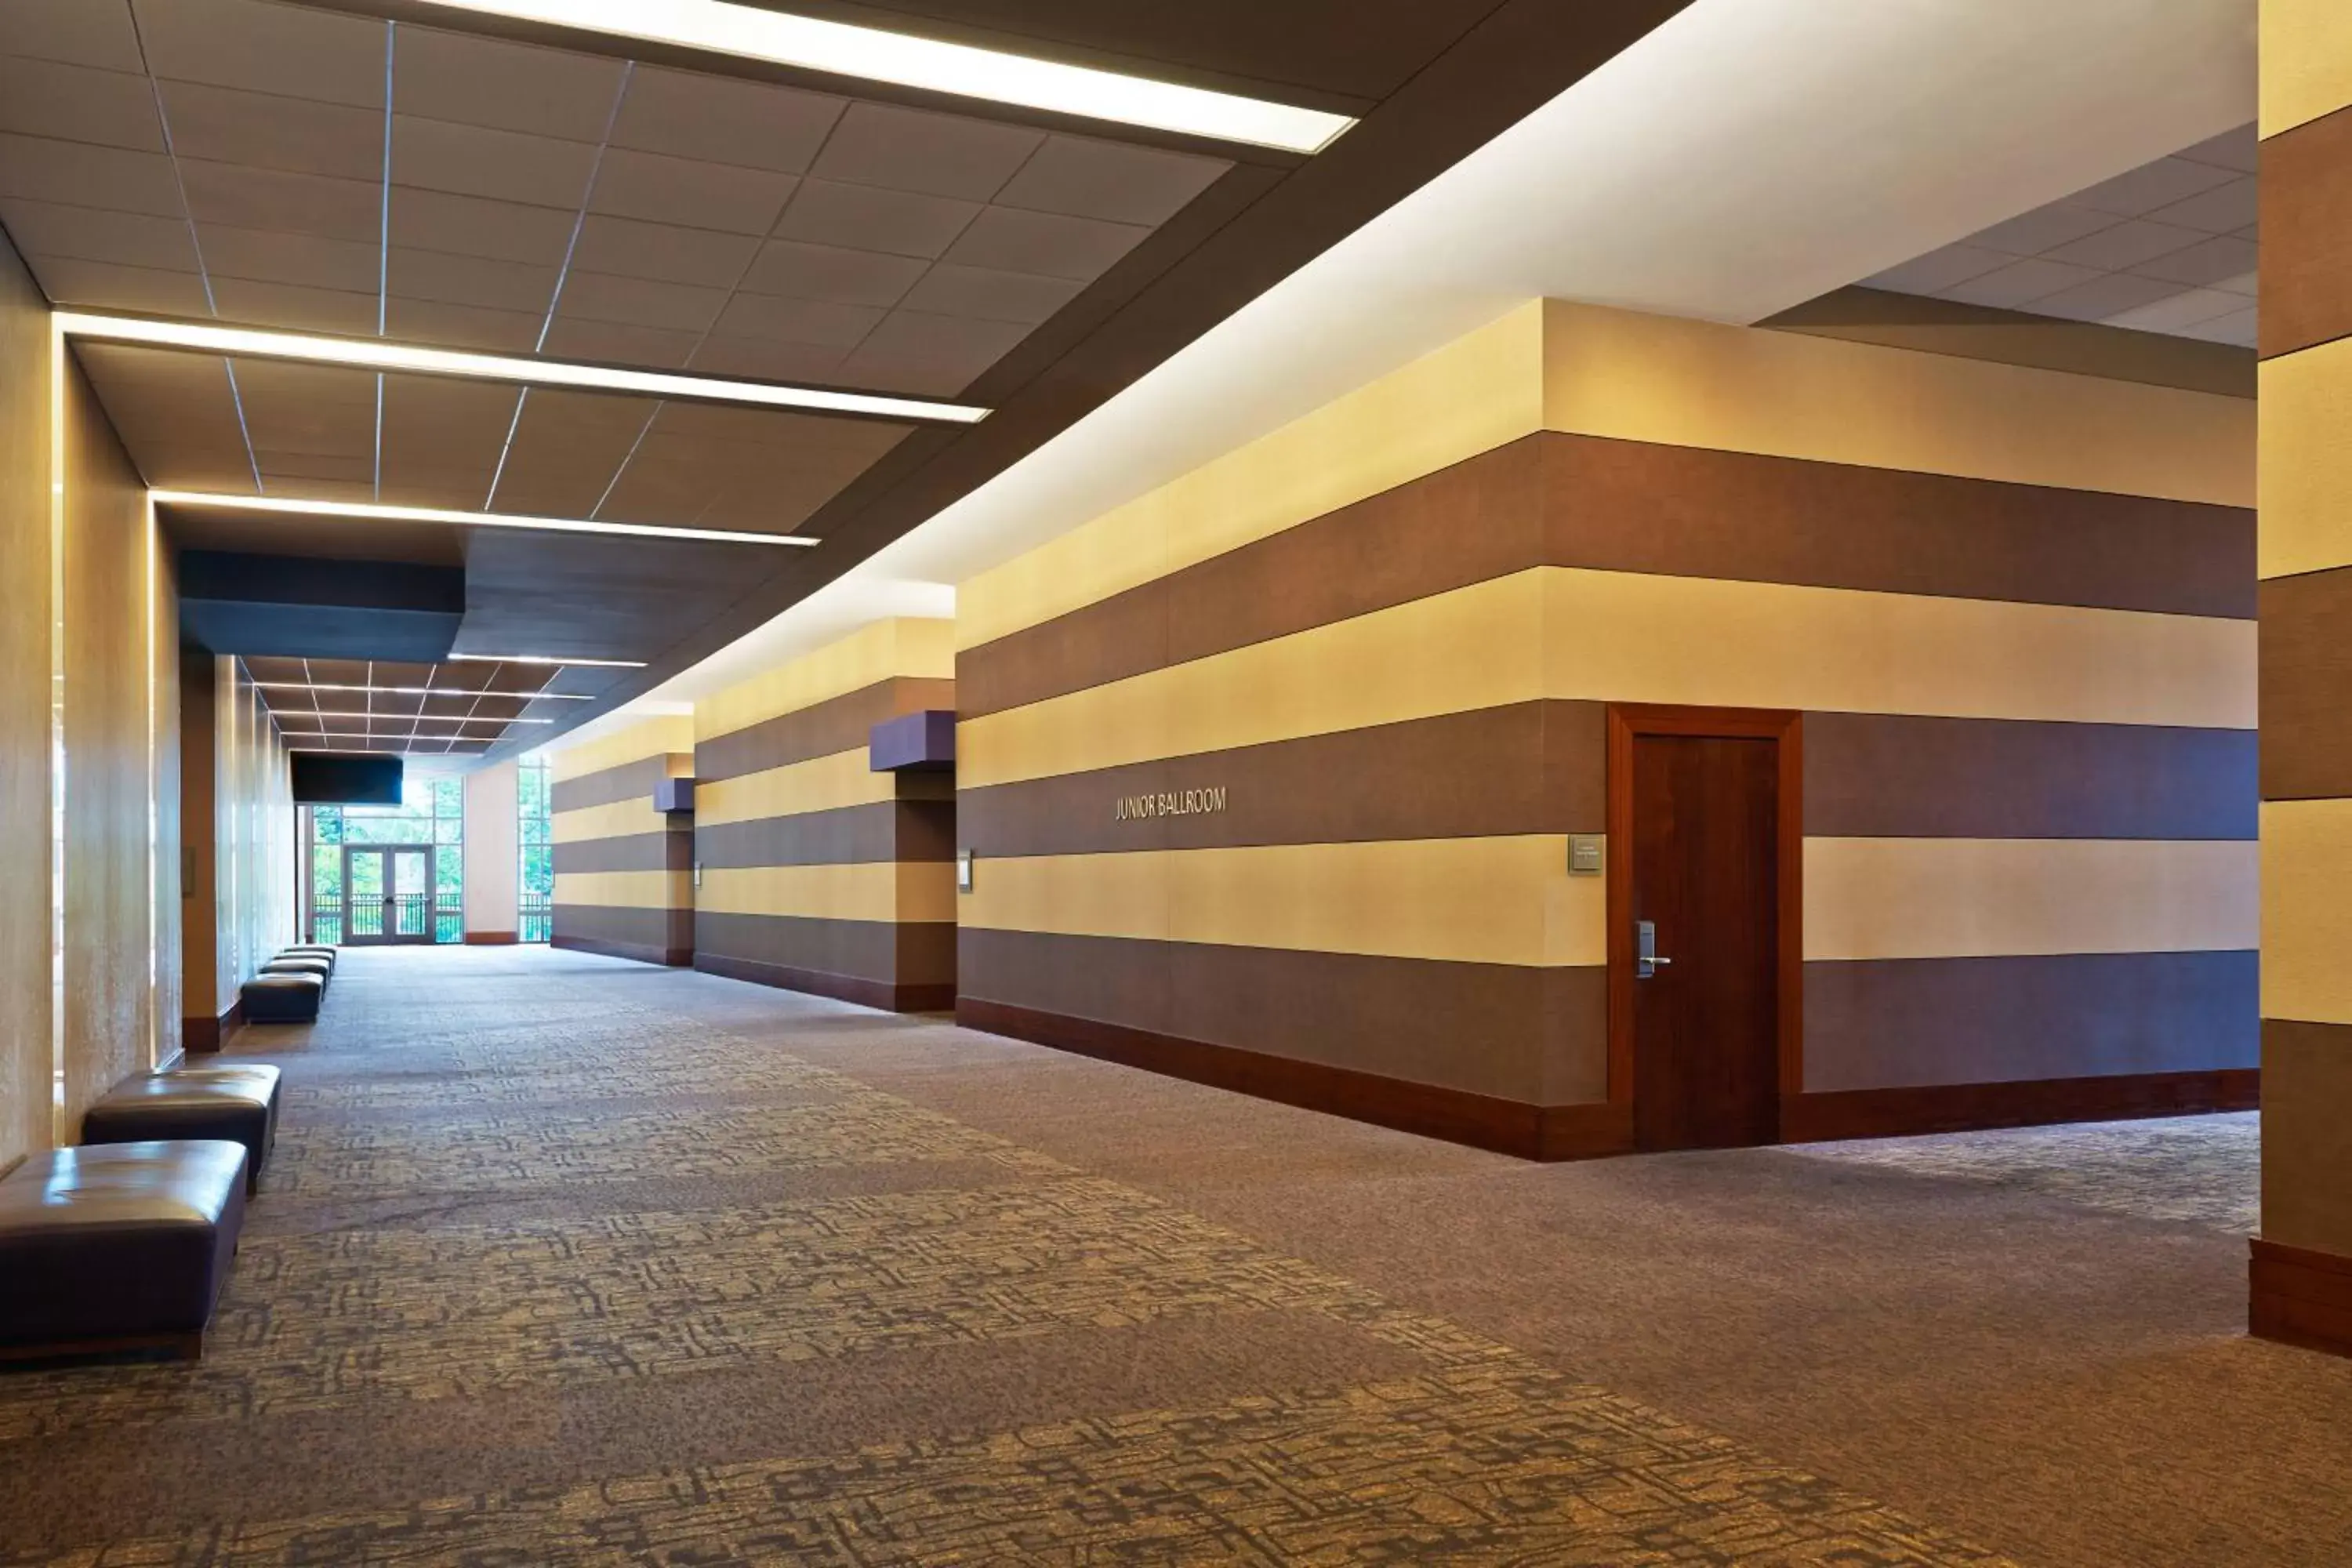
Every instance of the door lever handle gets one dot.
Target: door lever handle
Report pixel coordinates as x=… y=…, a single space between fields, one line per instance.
x=1647 y=960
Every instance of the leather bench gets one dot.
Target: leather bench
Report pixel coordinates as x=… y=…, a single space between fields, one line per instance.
x=281 y=998
x=183 y=1106
x=254 y=1078
x=318 y=966
x=121 y=1246
x=323 y=955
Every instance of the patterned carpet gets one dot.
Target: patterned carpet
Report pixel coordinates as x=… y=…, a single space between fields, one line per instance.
x=567 y=1261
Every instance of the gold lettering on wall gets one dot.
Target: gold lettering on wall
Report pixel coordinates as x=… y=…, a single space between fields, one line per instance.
x=1169 y=803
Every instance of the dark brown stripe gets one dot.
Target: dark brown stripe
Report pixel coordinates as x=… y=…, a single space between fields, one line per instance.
x=2298 y=1296
x=1628 y=506
x=1907 y=1023
x=1872 y=775
x=2307 y=686
x=627 y=780
x=2306 y=255
x=903 y=830
x=837 y=724
x=938 y=997
x=1536 y=1036
x=659 y=851
x=2307 y=1077
x=1530 y=767
x=649 y=934
x=671 y=957
x=889 y=953
x=2026 y=1102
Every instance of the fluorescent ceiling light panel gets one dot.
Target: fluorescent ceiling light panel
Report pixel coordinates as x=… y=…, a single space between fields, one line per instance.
x=839 y=48
x=424 y=691
x=370 y=511
x=541 y=659
x=374 y=353
x=407 y=717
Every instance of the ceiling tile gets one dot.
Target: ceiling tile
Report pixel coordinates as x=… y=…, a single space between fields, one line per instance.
x=989 y=296
x=292 y=308
x=723 y=120
x=281 y=200
x=2043 y=228
x=74 y=31
x=2020 y=283
x=312 y=472
x=861 y=218
x=2151 y=185
x=695 y=194
x=567 y=446
x=1046 y=242
x=502 y=166
x=628 y=249
x=934 y=355
x=932 y=155
x=1939 y=269
x=2224 y=209
x=767 y=359
x=469 y=225
x=2109 y=294
x=611 y=343
x=2179 y=311
x=797 y=321
x=506 y=86
x=443 y=278
x=2238 y=150
x=110 y=286
x=305 y=488
x=93 y=233
x=353 y=265
x=2236 y=328
x=462 y=326
x=829 y=273
x=77 y=103
x=1079 y=176
x=266 y=47
x=2207 y=262
x=638 y=302
x=43 y=169
x=227 y=126
x=2126 y=245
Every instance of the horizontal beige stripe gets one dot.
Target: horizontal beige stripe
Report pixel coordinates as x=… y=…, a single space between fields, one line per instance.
x=1975 y=897
x=1564 y=632
x=2307 y=55
x=613 y=819
x=821 y=784
x=877 y=652
x=2307 y=910
x=662 y=734
x=626 y=889
x=874 y=890
x=1701 y=384
x=1485 y=900
x=2306 y=461
x=1473 y=395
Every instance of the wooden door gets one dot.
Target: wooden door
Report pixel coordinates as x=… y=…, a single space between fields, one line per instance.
x=1705 y=835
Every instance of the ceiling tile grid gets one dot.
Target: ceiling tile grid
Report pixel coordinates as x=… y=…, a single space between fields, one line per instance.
x=426 y=710
x=2169 y=247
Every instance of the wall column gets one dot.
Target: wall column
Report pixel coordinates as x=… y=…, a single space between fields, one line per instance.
x=2302 y=1264
x=493 y=860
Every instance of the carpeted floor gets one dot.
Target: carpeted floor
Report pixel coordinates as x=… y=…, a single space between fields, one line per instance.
x=564 y=1261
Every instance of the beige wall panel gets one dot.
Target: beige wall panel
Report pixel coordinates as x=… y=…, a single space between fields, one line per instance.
x=2307 y=53
x=1474 y=394
x=611 y=820
x=1973 y=897
x=872 y=890
x=26 y=988
x=821 y=784
x=2306 y=855
x=1741 y=389
x=255 y=862
x=2306 y=461
x=1506 y=900
x=906 y=646
x=163 y=768
x=663 y=734
x=199 y=763
x=626 y=889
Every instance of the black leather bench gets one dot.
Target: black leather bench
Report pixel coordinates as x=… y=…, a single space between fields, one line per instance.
x=281 y=998
x=254 y=1078
x=318 y=966
x=185 y=1106
x=117 y=1247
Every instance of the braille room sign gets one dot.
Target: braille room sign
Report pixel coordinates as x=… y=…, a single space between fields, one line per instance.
x=1169 y=803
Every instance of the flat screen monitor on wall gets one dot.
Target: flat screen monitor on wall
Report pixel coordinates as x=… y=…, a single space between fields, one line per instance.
x=320 y=779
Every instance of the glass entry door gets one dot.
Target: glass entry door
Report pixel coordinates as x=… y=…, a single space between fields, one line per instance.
x=387 y=893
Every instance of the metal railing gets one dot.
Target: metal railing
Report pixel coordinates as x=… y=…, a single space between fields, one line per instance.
x=390 y=918
x=538 y=918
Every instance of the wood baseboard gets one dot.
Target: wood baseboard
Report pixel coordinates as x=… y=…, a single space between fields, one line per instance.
x=1454 y=1115
x=882 y=993
x=671 y=957
x=201 y=1034
x=2033 y=1102
x=491 y=938
x=2299 y=1296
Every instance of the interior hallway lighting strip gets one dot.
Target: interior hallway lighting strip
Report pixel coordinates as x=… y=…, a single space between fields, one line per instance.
x=372 y=513
x=375 y=354
x=840 y=48
x=540 y=658
x=424 y=691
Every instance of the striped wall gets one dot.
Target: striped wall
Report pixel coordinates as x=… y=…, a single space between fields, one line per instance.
x=624 y=871
x=2303 y=1262
x=818 y=873
x=2015 y=606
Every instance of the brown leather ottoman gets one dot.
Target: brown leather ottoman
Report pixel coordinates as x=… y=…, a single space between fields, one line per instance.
x=123 y=1246
x=318 y=966
x=281 y=998
x=254 y=1078
x=169 y=1106
x=309 y=950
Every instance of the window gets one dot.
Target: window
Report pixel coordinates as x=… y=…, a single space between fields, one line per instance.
x=536 y=885
x=430 y=816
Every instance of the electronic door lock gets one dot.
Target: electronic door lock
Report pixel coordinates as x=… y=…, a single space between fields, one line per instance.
x=1647 y=960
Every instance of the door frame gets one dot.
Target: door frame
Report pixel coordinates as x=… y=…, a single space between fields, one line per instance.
x=389 y=937
x=1626 y=722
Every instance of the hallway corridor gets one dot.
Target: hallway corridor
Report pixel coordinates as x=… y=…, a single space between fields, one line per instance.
x=566 y=1260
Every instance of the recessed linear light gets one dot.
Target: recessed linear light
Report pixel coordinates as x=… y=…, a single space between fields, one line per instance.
x=407 y=717
x=541 y=659
x=374 y=353
x=372 y=513
x=424 y=691
x=838 y=48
